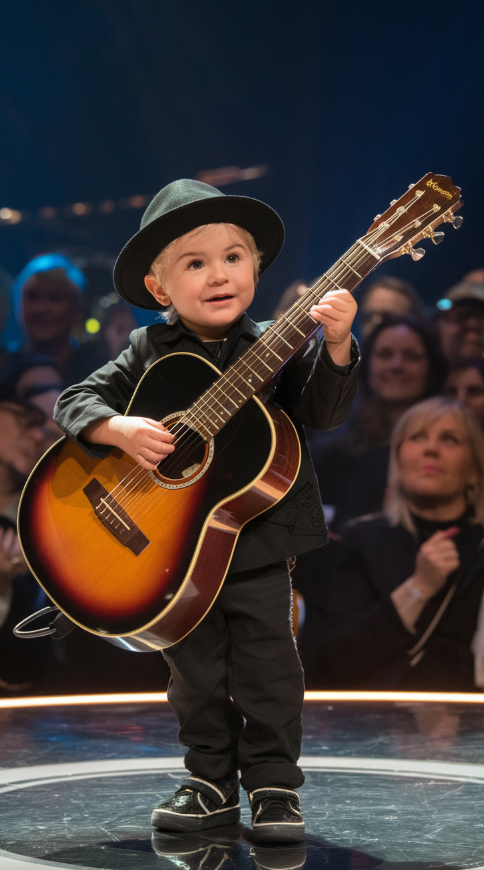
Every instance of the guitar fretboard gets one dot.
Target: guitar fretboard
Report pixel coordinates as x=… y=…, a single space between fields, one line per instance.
x=275 y=347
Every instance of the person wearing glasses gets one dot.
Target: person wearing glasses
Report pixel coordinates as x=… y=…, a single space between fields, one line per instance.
x=460 y=319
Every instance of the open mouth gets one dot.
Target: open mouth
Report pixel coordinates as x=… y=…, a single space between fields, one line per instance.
x=226 y=297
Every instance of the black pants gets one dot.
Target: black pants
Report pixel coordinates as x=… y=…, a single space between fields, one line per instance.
x=237 y=684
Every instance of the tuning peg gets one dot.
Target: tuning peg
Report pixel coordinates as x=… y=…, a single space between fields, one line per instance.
x=377 y=216
x=457 y=222
x=393 y=202
x=437 y=238
x=417 y=253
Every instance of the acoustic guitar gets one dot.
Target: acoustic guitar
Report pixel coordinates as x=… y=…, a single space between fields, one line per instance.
x=139 y=556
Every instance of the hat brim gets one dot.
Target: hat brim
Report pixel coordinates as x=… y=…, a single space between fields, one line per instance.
x=135 y=259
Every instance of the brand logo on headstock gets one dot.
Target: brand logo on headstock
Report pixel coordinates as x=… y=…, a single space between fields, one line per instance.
x=433 y=184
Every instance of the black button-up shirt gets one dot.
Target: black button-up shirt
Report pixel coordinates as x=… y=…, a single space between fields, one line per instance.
x=311 y=389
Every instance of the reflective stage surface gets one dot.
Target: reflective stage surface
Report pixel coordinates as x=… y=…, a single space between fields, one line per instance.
x=394 y=784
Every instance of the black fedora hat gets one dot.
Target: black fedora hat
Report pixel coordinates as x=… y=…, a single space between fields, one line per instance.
x=179 y=208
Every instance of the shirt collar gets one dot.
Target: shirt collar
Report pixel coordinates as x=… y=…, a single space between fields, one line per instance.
x=244 y=327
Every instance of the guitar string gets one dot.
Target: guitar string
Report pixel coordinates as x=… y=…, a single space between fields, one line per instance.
x=141 y=474
x=286 y=328
x=298 y=309
x=278 y=335
x=254 y=357
x=313 y=294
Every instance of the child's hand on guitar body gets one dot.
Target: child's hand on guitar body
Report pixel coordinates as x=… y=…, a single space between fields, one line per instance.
x=336 y=312
x=146 y=441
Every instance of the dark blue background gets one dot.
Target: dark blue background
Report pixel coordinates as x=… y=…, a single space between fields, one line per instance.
x=347 y=102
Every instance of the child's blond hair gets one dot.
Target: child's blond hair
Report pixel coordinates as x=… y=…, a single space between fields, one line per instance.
x=158 y=265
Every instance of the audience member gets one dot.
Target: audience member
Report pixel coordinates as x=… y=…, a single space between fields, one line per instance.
x=465 y=382
x=31 y=370
x=118 y=322
x=21 y=442
x=401 y=365
x=460 y=319
x=387 y=295
x=291 y=294
x=47 y=304
x=405 y=594
x=37 y=379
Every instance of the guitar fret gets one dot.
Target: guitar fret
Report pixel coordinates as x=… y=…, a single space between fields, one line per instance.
x=342 y=260
x=253 y=372
x=331 y=280
x=200 y=411
x=245 y=381
x=284 y=317
x=280 y=336
x=267 y=350
x=213 y=411
x=227 y=396
x=264 y=363
x=234 y=386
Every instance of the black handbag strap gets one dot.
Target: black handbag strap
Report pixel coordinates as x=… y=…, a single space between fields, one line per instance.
x=418 y=651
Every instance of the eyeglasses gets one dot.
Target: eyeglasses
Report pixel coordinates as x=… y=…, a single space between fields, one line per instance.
x=460 y=315
x=27 y=418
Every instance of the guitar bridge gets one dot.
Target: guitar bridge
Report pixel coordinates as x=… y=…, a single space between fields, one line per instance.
x=115 y=518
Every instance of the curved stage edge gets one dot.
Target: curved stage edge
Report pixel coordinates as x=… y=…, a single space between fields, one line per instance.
x=393 y=780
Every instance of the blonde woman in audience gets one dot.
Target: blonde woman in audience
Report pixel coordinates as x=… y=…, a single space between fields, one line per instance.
x=408 y=583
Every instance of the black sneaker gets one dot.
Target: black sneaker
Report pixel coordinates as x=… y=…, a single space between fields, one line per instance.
x=199 y=804
x=275 y=815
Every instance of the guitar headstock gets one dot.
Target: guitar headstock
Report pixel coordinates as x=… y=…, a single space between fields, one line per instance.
x=415 y=216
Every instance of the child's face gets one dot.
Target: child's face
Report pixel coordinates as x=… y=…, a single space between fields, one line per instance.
x=209 y=278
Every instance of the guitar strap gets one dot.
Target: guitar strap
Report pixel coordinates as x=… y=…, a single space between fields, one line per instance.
x=60 y=626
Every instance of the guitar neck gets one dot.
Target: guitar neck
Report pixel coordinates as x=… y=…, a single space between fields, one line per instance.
x=276 y=346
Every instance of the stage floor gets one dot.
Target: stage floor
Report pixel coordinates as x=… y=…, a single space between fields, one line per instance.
x=389 y=784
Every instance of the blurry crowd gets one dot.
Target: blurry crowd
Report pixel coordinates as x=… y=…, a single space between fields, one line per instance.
x=394 y=601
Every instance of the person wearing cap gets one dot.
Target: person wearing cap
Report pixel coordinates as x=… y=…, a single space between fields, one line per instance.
x=460 y=319
x=46 y=298
x=237 y=683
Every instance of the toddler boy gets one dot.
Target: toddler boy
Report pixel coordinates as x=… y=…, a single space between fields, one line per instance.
x=237 y=683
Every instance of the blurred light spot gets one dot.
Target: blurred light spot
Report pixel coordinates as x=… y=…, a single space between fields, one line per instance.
x=137 y=201
x=92 y=325
x=10 y=215
x=231 y=174
x=80 y=208
x=47 y=212
x=444 y=304
x=107 y=206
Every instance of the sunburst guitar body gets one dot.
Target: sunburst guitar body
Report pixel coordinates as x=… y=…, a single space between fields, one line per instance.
x=128 y=553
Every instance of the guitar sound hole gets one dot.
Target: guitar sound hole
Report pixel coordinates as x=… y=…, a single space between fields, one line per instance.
x=187 y=457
